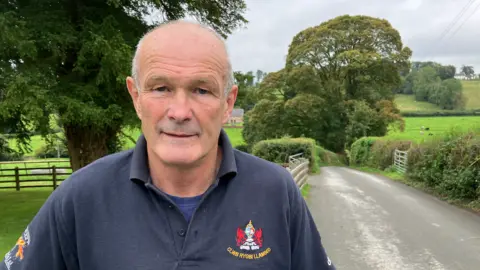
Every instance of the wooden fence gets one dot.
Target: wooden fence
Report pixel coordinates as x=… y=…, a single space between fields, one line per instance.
x=298 y=166
x=400 y=160
x=33 y=177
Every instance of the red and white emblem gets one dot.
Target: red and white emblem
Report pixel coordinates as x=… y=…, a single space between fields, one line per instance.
x=249 y=238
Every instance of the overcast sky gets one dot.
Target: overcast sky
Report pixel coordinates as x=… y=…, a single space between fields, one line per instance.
x=263 y=44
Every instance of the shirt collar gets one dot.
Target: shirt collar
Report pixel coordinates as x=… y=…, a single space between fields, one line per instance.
x=140 y=171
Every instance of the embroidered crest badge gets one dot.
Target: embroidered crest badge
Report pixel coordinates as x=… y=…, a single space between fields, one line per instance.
x=17 y=253
x=249 y=238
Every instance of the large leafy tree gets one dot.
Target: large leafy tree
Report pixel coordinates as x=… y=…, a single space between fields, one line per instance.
x=71 y=57
x=349 y=58
x=366 y=54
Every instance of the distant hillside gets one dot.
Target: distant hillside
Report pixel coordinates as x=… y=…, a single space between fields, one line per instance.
x=471 y=90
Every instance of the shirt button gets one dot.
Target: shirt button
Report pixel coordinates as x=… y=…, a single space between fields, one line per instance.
x=170 y=206
x=181 y=233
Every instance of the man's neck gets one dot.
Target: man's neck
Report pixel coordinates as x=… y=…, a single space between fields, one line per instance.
x=186 y=182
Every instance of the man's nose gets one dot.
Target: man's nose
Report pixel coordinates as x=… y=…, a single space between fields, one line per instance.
x=179 y=107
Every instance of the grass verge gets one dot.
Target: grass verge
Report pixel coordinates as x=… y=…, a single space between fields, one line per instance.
x=305 y=190
x=17 y=209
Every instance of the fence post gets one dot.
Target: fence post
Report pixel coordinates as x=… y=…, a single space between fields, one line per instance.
x=17 y=179
x=54 y=177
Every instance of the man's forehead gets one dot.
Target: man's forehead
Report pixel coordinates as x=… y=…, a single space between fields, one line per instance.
x=183 y=38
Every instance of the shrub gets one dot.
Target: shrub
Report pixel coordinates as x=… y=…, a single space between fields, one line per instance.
x=450 y=165
x=278 y=150
x=326 y=157
x=375 y=152
x=243 y=147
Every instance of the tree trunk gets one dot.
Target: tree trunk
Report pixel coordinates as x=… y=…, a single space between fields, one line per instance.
x=87 y=144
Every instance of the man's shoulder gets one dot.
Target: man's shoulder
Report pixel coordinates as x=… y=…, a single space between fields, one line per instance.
x=99 y=173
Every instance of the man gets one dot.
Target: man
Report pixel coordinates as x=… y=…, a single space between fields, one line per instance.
x=183 y=198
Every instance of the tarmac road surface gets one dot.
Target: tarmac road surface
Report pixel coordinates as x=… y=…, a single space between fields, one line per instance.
x=371 y=222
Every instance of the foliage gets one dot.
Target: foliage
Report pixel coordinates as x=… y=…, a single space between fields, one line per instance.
x=329 y=66
x=278 y=150
x=71 y=58
x=428 y=86
x=6 y=153
x=434 y=83
x=274 y=86
x=450 y=165
x=243 y=148
x=441 y=113
x=375 y=152
x=307 y=115
x=468 y=71
x=246 y=97
x=326 y=157
x=364 y=53
x=264 y=121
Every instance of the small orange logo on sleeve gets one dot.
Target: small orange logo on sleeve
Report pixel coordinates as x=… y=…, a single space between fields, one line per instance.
x=21 y=245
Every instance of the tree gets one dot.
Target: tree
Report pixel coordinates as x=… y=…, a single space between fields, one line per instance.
x=71 y=58
x=264 y=121
x=447 y=72
x=451 y=95
x=424 y=80
x=347 y=58
x=365 y=53
x=468 y=71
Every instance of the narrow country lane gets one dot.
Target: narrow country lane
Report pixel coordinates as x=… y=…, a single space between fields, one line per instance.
x=371 y=222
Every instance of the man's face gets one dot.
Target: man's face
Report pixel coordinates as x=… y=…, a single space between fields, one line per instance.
x=181 y=104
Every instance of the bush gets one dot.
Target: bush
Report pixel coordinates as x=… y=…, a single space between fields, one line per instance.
x=450 y=165
x=278 y=150
x=243 y=147
x=326 y=157
x=375 y=152
x=475 y=112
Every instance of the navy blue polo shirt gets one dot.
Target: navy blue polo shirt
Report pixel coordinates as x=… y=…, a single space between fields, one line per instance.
x=109 y=215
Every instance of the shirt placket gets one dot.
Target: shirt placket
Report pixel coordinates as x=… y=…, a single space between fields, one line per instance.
x=179 y=229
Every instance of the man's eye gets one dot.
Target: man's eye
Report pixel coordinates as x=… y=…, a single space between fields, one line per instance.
x=201 y=91
x=160 y=89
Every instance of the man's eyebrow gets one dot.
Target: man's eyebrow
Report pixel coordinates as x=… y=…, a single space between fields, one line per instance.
x=155 y=79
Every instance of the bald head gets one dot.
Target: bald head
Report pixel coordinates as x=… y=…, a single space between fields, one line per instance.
x=188 y=40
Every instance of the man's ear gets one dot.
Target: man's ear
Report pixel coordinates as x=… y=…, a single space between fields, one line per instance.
x=230 y=103
x=133 y=91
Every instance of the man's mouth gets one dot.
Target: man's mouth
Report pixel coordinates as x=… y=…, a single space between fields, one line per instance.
x=179 y=135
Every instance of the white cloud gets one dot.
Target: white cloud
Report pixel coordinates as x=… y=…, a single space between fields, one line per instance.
x=263 y=44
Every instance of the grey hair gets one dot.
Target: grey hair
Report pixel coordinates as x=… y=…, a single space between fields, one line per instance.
x=229 y=78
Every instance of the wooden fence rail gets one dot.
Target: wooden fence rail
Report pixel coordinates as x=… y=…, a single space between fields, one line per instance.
x=298 y=167
x=400 y=160
x=36 y=177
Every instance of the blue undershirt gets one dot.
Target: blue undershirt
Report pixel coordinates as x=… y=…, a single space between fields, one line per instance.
x=187 y=205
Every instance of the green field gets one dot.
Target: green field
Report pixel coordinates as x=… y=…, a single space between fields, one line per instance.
x=438 y=126
x=471 y=91
x=407 y=103
x=16 y=210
